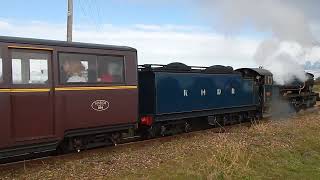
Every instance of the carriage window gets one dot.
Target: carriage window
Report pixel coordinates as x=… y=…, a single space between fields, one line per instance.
x=1 y=76
x=29 y=67
x=75 y=68
x=110 y=69
x=83 y=68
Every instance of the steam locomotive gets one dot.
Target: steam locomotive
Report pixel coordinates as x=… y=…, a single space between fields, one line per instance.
x=41 y=111
x=178 y=96
x=298 y=93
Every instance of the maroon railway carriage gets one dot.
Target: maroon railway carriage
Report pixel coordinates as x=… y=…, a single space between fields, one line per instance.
x=70 y=95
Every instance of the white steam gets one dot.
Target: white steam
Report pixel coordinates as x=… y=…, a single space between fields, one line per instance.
x=282 y=59
x=284 y=52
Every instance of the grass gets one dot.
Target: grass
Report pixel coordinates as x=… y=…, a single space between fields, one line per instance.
x=280 y=149
x=317 y=87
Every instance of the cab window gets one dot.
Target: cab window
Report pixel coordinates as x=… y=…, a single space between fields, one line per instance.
x=85 y=68
x=29 y=67
x=268 y=80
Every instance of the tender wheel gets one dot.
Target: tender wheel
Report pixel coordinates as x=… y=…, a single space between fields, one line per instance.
x=152 y=132
x=187 y=127
x=163 y=131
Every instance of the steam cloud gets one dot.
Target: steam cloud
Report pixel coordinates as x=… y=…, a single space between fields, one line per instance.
x=291 y=36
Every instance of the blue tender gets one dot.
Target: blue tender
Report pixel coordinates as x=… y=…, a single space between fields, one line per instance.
x=164 y=93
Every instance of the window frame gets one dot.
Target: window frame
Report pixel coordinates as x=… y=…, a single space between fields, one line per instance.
x=268 y=80
x=2 y=78
x=96 y=84
x=49 y=65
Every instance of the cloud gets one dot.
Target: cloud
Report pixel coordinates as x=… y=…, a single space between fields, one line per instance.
x=4 y=25
x=289 y=22
x=159 y=44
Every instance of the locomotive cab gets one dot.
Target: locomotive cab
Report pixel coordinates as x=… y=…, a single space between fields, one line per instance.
x=263 y=84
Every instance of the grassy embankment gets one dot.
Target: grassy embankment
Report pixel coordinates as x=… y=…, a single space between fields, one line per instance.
x=280 y=149
x=317 y=87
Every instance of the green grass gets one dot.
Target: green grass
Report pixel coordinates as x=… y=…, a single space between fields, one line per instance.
x=280 y=149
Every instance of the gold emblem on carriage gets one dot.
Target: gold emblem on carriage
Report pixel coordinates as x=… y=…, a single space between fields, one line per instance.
x=100 y=105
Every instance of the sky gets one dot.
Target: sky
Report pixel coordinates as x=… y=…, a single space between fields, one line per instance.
x=186 y=31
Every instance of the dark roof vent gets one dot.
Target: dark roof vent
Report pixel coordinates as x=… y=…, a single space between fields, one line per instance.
x=177 y=66
x=219 y=69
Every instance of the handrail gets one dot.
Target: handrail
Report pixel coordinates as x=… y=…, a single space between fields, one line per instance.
x=164 y=65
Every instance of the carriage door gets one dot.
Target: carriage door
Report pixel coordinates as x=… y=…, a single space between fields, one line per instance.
x=31 y=101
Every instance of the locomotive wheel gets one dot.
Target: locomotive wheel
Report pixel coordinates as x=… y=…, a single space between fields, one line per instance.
x=297 y=108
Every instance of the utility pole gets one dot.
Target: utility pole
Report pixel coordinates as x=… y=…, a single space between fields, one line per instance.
x=70 y=20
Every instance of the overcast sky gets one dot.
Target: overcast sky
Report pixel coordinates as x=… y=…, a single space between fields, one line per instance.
x=190 y=31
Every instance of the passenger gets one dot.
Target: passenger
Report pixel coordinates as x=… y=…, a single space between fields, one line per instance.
x=73 y=70
x=113 y=73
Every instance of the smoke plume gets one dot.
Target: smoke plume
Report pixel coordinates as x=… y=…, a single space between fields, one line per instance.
x=288 y=21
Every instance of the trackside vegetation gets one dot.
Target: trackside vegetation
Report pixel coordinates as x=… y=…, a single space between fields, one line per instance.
x=277 y=149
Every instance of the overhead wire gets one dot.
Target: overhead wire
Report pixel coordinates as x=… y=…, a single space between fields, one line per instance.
x=87 y=9
x=93 y=13
x=99 y=17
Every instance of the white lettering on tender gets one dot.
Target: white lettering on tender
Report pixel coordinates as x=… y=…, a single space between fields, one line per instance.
x=185 y=92
x=219 y=92
x=203 y=92
x=233 y=91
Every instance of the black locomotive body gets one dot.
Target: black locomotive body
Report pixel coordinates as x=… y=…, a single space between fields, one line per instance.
x=298 y=94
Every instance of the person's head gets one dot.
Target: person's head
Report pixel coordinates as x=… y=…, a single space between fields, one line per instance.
x=72 y=67
x=113 y=68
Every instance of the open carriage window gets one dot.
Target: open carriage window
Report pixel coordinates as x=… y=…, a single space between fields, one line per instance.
x=29 y=67
x=84 y=68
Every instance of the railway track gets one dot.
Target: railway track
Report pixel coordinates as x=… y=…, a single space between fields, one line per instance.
x=138 y=142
